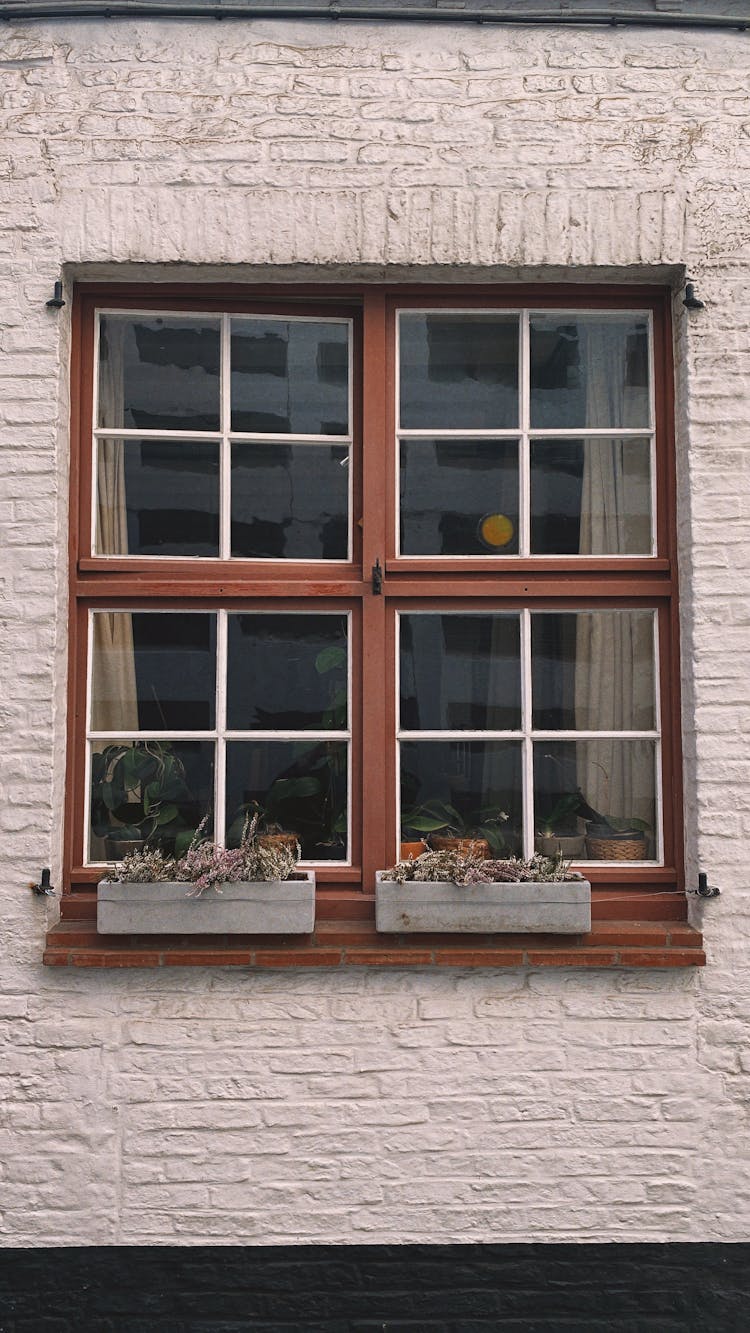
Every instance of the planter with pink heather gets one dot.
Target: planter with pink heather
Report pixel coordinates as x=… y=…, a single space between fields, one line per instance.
x=252 y=889
x=444 y=891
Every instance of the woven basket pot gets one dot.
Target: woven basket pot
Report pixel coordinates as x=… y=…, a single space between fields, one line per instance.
x=630 y=848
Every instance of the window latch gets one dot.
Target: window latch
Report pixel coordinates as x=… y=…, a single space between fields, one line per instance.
x=377 y=578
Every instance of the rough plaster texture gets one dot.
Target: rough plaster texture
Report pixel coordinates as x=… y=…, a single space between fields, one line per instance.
x=230 y=1107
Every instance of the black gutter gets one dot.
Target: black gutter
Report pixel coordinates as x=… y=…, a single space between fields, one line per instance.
x=86 y=9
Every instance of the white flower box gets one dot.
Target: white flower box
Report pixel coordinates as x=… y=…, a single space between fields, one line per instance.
x=275 y=907
x=554 y=907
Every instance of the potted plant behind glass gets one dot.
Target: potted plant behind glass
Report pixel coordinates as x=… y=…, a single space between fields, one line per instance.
x=140 y=796
x=558 y=830
x=448 y=891
x=250 y=889
x=448 y=830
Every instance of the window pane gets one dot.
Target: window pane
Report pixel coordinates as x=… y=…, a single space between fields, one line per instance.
x=606 y=788
x=148 y=791
x=591 y=497
x=465 y=787
x=593 y=670
x=458 y=372
x=459 y=497
x=298 y=785
x=290 y=377
x=287 y=673
x=153 y=671
x=158 y=497
x=460 y=671
x=158 y=372
x=589 y=371
x=290 y=502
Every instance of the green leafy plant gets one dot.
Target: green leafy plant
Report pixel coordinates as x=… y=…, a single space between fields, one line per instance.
x=561 y=819
x=436 y=816
x=139 y=792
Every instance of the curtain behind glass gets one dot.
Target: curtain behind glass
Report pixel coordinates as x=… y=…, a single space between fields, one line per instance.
x=607 y=682
x=114 y=659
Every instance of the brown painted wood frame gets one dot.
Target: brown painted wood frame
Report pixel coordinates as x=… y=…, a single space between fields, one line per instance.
x=409 y=582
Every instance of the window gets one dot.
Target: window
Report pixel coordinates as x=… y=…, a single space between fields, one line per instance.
x=371 y=560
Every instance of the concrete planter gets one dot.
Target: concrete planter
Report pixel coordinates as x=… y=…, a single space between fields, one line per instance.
x=278 y=907
x=561 y=908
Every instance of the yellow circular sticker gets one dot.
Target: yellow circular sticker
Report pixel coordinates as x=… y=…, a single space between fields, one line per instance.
x=495 y=530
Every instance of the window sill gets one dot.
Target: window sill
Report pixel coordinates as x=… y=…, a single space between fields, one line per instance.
x=345 y=936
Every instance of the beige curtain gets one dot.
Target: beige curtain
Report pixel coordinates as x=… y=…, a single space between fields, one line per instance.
x=114 y=705
x=611 y=692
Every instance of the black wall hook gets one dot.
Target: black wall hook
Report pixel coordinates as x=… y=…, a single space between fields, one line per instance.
x=57 y=300
x=690 y=300
x=43 y=888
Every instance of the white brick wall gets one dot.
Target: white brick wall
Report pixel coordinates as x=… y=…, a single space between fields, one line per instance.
x=262 y=1108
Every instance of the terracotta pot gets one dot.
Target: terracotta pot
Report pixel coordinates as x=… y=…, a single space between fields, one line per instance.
x=280 y=841
x=467 y=846
x=409 y=851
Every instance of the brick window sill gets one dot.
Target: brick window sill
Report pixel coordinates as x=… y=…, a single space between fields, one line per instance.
x=655 y=934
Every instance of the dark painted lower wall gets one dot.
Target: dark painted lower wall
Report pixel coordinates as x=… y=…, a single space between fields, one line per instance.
x=414 y=1288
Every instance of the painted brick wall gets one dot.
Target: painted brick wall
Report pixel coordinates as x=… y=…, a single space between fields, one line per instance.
x=268 y=1108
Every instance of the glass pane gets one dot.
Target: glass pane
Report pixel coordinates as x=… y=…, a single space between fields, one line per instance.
x=153 y=671
x=287 y=673
x=460 y=671
x=290 y=377
x=605 y=789
x=591 y=497
x=589 y=371
x=299 y=786
x=593 y=670
x=290 y=502
x=459 y=497
x=148 y=791
x=158 y=497
x=458 y=372
x=463 y=789
x=158 y=372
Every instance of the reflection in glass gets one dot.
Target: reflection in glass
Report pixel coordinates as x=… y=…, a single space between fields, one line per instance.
x=449 y=488
x=591 y=497
x=287 y=672
x=158 y=497
x=158 y=372
x=458 y=371
x=154 y=792
x=593 y=670
x=479 y=780
x=460 y=671
x=589 y=371
x=606 y=787
x=290 y=377
x=290 y=502
x=153 y=671
x=299 y=785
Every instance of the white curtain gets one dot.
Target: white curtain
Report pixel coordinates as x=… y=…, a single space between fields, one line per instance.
x=611 y=692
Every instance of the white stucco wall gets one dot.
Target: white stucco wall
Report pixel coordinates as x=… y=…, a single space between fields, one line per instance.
x=227 y=1106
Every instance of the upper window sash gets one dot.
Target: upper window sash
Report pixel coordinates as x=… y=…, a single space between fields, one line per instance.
x=527 y=433
x=188 y=464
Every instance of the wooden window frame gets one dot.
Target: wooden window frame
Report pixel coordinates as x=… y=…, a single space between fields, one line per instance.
x=539 y=582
